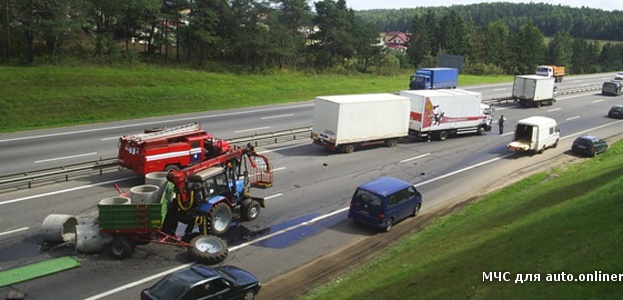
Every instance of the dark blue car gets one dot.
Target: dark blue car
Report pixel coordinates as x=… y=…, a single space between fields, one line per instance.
x=383 y=202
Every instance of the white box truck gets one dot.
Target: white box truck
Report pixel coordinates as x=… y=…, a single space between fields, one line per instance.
x=349 y=121
x=535 y=134
x=440 y=113
x=534 y=90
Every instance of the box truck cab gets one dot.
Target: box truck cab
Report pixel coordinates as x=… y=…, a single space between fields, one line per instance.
x=383 y=202
x=534 y=135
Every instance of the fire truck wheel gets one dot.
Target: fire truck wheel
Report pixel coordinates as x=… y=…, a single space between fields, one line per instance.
x=171 y=168
x=121 y=247
x=219 y=218
x=250 y=209
x=208 y=249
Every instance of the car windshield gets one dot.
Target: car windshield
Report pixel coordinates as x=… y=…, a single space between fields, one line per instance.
x=367 y=197
x=168 y=288
x=618 y=108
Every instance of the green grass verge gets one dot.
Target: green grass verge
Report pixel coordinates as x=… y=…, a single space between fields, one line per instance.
x=565 y=220
x=45 y=97
x=37 y=270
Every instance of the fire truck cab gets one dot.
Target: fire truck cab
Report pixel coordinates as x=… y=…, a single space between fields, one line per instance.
x=165 y=149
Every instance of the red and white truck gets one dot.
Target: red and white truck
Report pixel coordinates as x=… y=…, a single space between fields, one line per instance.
x=165 y=149
x=439 y=114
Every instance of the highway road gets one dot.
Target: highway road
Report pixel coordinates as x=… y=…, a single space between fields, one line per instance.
x=305 y=217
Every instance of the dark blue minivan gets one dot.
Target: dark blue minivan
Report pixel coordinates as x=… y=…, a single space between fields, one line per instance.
x=383 y=202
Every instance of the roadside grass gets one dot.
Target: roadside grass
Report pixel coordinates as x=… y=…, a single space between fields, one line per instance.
x=46 y=97
x=565 y=220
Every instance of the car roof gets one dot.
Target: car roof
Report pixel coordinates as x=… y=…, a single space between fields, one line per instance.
x=589 y=137
x=385 y=186
x=195 y=273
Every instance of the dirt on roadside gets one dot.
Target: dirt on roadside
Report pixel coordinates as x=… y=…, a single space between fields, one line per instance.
x=305 y=278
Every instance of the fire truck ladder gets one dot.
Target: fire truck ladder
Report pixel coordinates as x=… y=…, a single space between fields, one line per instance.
x=166 y=132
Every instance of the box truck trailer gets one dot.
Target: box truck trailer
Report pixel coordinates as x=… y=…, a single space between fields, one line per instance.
x=534 y=90
x=344 y=123
x=434 y=78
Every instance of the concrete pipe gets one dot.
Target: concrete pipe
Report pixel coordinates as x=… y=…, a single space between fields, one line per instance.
x=158 y=179
x=143 y=194
x=88 y=238
x=115 y=201
x=59 y=228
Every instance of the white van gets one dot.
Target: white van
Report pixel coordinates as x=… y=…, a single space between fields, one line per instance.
x=535 y=134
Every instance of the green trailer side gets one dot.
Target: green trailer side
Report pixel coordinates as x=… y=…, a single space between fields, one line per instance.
x=134 y=217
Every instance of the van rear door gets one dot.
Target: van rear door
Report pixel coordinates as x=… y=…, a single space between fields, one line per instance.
x=366 y=207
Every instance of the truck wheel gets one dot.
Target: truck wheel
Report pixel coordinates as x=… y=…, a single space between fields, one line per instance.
x=171 y=168
x=219 y=218
x=442 y=135
x=348 y=148
x=250 y=209
x=391 y=143
x=121 y=247
x=208 y=249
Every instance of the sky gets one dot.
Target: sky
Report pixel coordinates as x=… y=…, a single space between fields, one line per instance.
x=608 y=5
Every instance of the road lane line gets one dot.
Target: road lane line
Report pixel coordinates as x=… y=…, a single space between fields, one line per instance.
x=282 y=148
x=416 y=157
x=598 y=100
x=66 y=157
x=252 y=129
x=500 y=89
x=553 y=109
x=67 y=190
x=153 y=123
x=572 y=118
x=110 y=138
x=278 y=169
x=278 y=116
x=14 y=231
x=273 y=196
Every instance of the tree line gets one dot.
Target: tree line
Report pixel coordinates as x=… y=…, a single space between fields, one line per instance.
x=325 y=35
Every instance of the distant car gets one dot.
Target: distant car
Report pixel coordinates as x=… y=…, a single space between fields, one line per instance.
x=618 y=76
x=589 y=145
x=202 y=282
x=383 y=202
x=612 y=87
x=616 y=111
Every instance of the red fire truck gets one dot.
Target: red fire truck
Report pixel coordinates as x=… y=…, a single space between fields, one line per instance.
x=164 y=149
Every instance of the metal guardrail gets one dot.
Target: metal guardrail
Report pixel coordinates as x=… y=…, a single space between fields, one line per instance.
x=27 y=179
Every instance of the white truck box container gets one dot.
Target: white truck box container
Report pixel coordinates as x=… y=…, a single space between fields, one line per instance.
x=534 y=90
x=440 y=113
x=348 y=121
x=535 y=134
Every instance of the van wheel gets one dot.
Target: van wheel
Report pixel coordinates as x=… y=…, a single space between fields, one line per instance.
x=389 y=225
x=555 y=144
x=416 y=210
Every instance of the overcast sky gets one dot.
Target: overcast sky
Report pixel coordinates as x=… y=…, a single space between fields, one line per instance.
x=391 y=4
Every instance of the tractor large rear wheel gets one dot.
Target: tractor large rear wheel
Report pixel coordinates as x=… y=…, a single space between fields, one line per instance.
x=208 y=249
x=220 y=218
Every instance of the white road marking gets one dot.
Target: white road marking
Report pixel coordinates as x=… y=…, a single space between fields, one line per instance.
x=585 y=84
x=252 y=129
x=67 y=190
x=598 y=100
x=573 y=118
x=553 y=109
x=66 y=157
x=508 y=133
x=14 y=231
x=152 y=123
x=278 y=169
x=283 y=148
x=110 y=138
x=500 y=89
x=273 y=196
x=574 y=81
x=276 y=117
x=416 y=157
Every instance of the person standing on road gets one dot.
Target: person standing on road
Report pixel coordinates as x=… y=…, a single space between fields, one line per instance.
x=501 y=123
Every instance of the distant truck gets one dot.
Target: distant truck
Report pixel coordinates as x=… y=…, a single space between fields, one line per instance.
x=343 y=123
x=438 y=114
x=164 y=149
x=434 y=78
x=534 y=135
x=534 y=90
x=557 y=72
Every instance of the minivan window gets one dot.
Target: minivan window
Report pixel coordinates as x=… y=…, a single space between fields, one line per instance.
x=367 y=198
